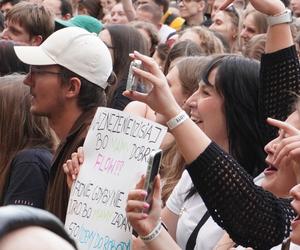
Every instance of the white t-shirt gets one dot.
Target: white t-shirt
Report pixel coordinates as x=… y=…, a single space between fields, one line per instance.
x=190 y=213
x=164 y=32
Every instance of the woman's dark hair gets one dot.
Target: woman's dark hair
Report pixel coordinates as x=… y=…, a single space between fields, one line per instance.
x=10 y=63
x=93 y=7
x=1 y=21
x=237 y=81
x=125 y=39
x=181 y=49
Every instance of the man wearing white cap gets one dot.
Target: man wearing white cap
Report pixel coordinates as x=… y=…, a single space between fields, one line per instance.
x=68 y=75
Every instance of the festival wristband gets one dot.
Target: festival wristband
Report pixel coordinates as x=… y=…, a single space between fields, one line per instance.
x=177 y=120
x=284 y=17
x=155 y=232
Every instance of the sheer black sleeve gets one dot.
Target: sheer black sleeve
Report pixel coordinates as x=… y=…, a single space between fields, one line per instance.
x=251 y=216
x=280 y=78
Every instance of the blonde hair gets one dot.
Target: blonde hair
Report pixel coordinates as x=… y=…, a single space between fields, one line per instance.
x=209 y=42
x=255 y=47
x=190 y=74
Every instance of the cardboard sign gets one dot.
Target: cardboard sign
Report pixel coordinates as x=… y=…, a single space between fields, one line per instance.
x=116 y=152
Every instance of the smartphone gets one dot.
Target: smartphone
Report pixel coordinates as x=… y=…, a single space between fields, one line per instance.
x=132 y=80
x=152 y=171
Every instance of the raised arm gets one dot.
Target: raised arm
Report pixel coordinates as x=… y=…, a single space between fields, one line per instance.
x=128 y=9
x=279 y=74
x=233 y=202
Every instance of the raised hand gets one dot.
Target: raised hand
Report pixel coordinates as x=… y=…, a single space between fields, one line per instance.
x=288 y=147
x=144 y=222
x=71 y=167
x=160 y=97
x=268 y=7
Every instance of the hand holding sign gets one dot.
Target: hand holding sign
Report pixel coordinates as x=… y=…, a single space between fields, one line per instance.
x=72 y=166
x=116 y=154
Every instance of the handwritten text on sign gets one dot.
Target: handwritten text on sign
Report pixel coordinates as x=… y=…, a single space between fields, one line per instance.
x=116 y=152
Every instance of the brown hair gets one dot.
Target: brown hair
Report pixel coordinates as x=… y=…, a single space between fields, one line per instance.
x=93 y=7
x=182 y=49
x=255 y=47
x=19 y=128
x=36 y=19
x=190 y=74
x=260 y=20
x=151 y=30
x=209 y=43
x=153 y=9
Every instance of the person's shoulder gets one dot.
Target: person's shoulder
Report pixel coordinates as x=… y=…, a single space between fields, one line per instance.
x=33 y=155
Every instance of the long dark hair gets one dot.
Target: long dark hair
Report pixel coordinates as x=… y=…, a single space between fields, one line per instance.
x=125 y=39
x=237 y=81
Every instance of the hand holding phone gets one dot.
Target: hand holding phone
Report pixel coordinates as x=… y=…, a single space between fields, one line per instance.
x=152 y=172
x=132 y=80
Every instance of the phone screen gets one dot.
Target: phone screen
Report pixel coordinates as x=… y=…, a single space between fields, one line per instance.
x=152 y=171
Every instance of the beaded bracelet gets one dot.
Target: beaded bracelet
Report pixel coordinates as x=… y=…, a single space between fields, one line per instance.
x=177 y=120
x=155 y=232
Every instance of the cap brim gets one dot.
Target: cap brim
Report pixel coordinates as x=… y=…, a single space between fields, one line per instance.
x=33 y=55
x=64 y=23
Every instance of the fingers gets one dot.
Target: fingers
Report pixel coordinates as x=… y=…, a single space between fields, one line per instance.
x=66 y=169
x=80 y=155
x=225 y=4
x=136 y=206
x=141 y=183
x=288 y=128
x=137 y=194
x=71 y=171
x=148 y=62
x=131 y=216
x=157 y=190
x=289 y=147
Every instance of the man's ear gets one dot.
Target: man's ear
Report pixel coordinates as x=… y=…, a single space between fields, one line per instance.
x=73 y=87
x=36 y=40
x=201 y=6
x=67 y=16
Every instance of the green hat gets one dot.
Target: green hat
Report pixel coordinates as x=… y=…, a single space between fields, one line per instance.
x=88 y=23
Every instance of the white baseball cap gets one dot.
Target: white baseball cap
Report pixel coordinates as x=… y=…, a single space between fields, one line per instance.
x=75 y=49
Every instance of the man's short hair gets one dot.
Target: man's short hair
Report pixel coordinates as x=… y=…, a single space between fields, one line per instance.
x=163 y=3
x=36 y=19
x=153 y=9
x=90 y=95
x=66 y=7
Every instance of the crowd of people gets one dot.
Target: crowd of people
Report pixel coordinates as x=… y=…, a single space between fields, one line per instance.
x=224 y=77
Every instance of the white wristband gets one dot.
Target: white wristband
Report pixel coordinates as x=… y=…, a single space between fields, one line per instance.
x=155 y=232
x=177 y=120
x=284 y=17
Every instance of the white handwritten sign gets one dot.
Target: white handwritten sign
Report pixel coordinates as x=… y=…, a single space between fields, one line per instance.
x=116 y=152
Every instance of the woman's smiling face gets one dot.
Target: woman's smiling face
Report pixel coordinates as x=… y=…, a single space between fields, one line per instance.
x=207 y=106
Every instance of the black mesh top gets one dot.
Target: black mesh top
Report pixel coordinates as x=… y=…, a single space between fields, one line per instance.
x=251 y=216
x=280 y=78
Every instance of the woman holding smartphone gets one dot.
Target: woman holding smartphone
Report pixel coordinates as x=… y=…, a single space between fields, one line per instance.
x=193 y=143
